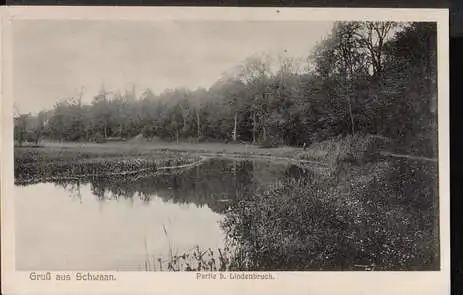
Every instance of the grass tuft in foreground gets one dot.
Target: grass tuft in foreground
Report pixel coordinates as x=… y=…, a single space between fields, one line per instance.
x=196 y=259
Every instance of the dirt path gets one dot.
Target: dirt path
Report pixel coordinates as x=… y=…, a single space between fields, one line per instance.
x=389 y=154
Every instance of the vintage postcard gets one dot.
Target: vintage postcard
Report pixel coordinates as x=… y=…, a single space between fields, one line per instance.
x=224 y=150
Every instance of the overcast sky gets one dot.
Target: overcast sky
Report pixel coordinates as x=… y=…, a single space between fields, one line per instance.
x=54 y=59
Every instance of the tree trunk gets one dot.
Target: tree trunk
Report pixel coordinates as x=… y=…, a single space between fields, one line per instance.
x=234 y=128
x=176 y=135
x=350 y=114
x=199 y=125
x=254 y=128
x=264 y=133
x=349 y=91
x=185 y=125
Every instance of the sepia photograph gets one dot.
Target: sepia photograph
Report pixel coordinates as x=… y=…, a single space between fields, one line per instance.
x=182 y=145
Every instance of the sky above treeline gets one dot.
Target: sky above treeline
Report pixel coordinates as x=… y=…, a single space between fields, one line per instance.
x=53 y=60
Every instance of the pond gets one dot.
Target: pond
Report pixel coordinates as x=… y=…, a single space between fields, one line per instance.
x=380 y=215
x=108 y=224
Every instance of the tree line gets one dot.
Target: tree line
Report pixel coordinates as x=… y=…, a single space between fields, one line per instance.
x=364 y=77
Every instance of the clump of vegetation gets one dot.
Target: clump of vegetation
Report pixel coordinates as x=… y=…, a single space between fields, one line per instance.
x=370 y=217
x=196 y=259
x=356 y=148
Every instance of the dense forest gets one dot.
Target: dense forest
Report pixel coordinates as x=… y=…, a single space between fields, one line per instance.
x=364 y=78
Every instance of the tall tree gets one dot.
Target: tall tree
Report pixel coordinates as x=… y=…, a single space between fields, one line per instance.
x=20 y=127
x=256 y=73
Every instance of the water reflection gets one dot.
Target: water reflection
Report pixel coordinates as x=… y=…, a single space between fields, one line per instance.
x=115 y=223
x=216 y=183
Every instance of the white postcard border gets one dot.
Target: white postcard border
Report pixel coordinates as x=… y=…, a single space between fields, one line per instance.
x=438 y=282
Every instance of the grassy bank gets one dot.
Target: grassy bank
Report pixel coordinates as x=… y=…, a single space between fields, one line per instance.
x=74 y=161
x=379 y=216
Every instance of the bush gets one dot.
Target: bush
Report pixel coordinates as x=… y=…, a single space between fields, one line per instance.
x=355 y=149
x=268 y=144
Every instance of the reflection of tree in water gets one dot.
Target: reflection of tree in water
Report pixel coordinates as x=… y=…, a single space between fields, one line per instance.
x=73 y=188
x=216 y=183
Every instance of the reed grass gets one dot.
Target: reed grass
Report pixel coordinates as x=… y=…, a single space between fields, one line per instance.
x=194 y=259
